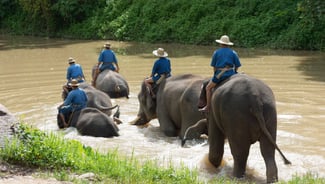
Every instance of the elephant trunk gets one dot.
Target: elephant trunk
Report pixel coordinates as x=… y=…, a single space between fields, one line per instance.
x=195 y=131
x=139 y=120
x=183 y=142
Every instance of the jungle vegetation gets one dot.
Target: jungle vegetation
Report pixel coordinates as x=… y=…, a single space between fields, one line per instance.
x=293 y=24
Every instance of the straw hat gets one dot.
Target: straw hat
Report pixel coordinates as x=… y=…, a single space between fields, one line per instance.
x=224 y=40
x=74 y=83
x=71 y=60
x=160 y=52
x=107 y=45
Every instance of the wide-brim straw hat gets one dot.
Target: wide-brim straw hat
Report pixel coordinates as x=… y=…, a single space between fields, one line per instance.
x=74 y=83
x=224 y=40
x=107 y=45
x=71 y=60
x=160 y=52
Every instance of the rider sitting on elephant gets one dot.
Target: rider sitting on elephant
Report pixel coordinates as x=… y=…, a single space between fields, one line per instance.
x=75 y=101
x=161 y=70
x=225 y=63
x=106 y=60
x=74 y=71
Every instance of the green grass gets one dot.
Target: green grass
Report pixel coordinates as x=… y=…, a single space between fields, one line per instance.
x=63 y=159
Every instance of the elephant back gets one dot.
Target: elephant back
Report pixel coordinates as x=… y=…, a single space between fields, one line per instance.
x=95 y=123
x=113 y=84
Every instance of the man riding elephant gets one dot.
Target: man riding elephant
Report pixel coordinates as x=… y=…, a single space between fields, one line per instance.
x=243 y=111
x=74 y=71
x=75 y=101
x=160 y=70
x=106 y=60
x=225 y=63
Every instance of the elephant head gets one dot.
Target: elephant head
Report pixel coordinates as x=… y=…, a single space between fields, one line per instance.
x=175 y=105
x=147 y=109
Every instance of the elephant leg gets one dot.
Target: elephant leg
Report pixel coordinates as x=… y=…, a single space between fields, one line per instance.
x=216 y=144
x=168 y=127
x=239 y=150
x=268 y=151
x=166 y=124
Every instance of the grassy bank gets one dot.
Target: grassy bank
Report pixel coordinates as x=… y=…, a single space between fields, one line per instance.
x=65 y=159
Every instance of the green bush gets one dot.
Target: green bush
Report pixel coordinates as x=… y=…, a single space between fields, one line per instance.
x=297 y=24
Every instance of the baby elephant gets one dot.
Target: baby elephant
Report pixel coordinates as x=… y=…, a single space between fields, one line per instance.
x=95 y=123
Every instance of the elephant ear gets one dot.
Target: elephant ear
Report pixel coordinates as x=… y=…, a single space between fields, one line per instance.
x=147 y=103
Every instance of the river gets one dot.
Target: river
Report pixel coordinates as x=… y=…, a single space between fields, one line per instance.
x=32 y=72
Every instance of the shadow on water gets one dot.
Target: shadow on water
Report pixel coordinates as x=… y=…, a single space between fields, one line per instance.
x=313 y=67
x=8 y=42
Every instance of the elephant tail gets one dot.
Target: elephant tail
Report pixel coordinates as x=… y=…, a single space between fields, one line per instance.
x=261 y=121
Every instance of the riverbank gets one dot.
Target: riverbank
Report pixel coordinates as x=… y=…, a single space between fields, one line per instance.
x=90 y=165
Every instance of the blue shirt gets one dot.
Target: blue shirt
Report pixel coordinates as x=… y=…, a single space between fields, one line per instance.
x=76 y=98
x=74 y=71
x=107 y=56
x=161 y=66
x=224 y=57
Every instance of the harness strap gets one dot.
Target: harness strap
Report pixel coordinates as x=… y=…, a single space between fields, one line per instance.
x=223 y=70
x=162 y=77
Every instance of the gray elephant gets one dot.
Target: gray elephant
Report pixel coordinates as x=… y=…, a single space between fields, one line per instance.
x=175 y=104
x=112 y=83
x=96 y=99
x=242 y=110
x=95 y=123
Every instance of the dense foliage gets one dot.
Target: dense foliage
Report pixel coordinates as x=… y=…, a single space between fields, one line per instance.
x=294 y=24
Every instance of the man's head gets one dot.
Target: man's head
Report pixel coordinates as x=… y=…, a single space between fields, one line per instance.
x=224 y=40
x=74 y=83
x=71 y=60
x=160 y=52
x=107 y=45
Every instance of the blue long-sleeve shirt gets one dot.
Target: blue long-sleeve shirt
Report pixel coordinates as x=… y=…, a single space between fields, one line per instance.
x=161 y=66
x=77 y=98
x=224 y=57
x=74 y=71
x=107 y=56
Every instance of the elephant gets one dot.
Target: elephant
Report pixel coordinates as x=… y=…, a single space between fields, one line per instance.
x=243 y=110
x=96 y=99
x=112 y=83
x=175 y=104
x=93 y=122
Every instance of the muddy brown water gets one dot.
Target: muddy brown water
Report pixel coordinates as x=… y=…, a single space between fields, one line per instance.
x=32 y=71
